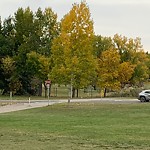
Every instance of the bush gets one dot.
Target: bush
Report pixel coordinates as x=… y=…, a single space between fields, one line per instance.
x=127 y=92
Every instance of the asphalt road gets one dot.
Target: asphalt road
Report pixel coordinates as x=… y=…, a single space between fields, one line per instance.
x=108 y=100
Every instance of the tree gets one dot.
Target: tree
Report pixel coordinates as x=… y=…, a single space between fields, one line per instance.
x=34 y=33
x=46 y=28
x=141 y=71
x=125 y=72
x=101 y=44
x=7 y=48
x=108 y=70
x=8 y=66
x=148 y=63
x=39 y=68
x=72 y=51
x=50 y=30
x=131 y=51
x=24 y=25
x=7 y=38
x=127 y=47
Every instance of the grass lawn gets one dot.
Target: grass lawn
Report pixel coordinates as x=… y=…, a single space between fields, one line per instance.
x=78 y=126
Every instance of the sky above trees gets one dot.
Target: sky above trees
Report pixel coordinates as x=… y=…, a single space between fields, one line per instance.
x=126 y=17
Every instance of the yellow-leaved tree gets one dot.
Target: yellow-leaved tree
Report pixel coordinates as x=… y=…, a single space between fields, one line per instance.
x=134 y=59
x=141 y=71
x=72 y=52
x=125 y=71
x=108 y=65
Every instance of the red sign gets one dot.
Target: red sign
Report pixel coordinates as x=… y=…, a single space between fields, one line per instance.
x=48 y=82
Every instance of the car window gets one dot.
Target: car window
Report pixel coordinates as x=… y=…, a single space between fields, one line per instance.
x=148 y=92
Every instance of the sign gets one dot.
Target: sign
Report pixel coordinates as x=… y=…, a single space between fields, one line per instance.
x=48 y=82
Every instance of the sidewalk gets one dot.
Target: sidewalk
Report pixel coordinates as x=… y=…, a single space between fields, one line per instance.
x=32 y=104
x=20 y=106
x=28 y=105
x=40 y=103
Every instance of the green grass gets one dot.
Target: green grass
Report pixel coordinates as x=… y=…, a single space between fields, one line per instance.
x=78 y=126
x=16 y=97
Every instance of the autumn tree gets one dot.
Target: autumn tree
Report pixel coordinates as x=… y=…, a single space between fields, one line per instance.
x=108 y=65
x=141 y=71
x=131 y=51
x=72 y=51
x=126 y=47
x=125 y=72
x=148 y=63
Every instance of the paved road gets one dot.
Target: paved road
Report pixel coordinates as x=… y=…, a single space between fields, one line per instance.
x=22 y=105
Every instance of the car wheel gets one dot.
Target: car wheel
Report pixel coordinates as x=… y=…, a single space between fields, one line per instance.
x=142 y=99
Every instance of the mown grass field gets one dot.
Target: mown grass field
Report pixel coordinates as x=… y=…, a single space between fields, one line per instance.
x=77 y=126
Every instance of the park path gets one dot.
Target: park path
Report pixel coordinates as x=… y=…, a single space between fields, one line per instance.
x=41 y=103
x=23 y=106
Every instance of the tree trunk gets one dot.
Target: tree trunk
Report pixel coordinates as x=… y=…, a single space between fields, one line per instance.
x=50 y=89
x=77 y=93
x=45 y=89
x=39 y=92
x=73 y=92
x=105 y=91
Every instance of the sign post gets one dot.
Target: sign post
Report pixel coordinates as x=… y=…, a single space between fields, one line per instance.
x=11 y=96
x=48 y=82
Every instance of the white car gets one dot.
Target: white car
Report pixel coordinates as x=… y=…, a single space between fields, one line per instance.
x=144 y=96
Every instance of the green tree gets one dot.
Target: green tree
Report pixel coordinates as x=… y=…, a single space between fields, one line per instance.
x=8 y=66
x=101 y=44
x=72 y=51
x=46 y=28
x=34 y=32
x=49 y=30
x=39 y=68
x=7 y=38
x=7 y=48
x=24 y=25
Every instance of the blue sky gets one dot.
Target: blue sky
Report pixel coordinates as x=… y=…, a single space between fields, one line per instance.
x=128 y=18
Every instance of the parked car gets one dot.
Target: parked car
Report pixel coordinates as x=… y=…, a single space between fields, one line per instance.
x=144 y=96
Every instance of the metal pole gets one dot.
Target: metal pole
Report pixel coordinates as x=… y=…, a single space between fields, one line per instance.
x=11 y=96
x=29 y=101
x=48 y=93
x=71 y=89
